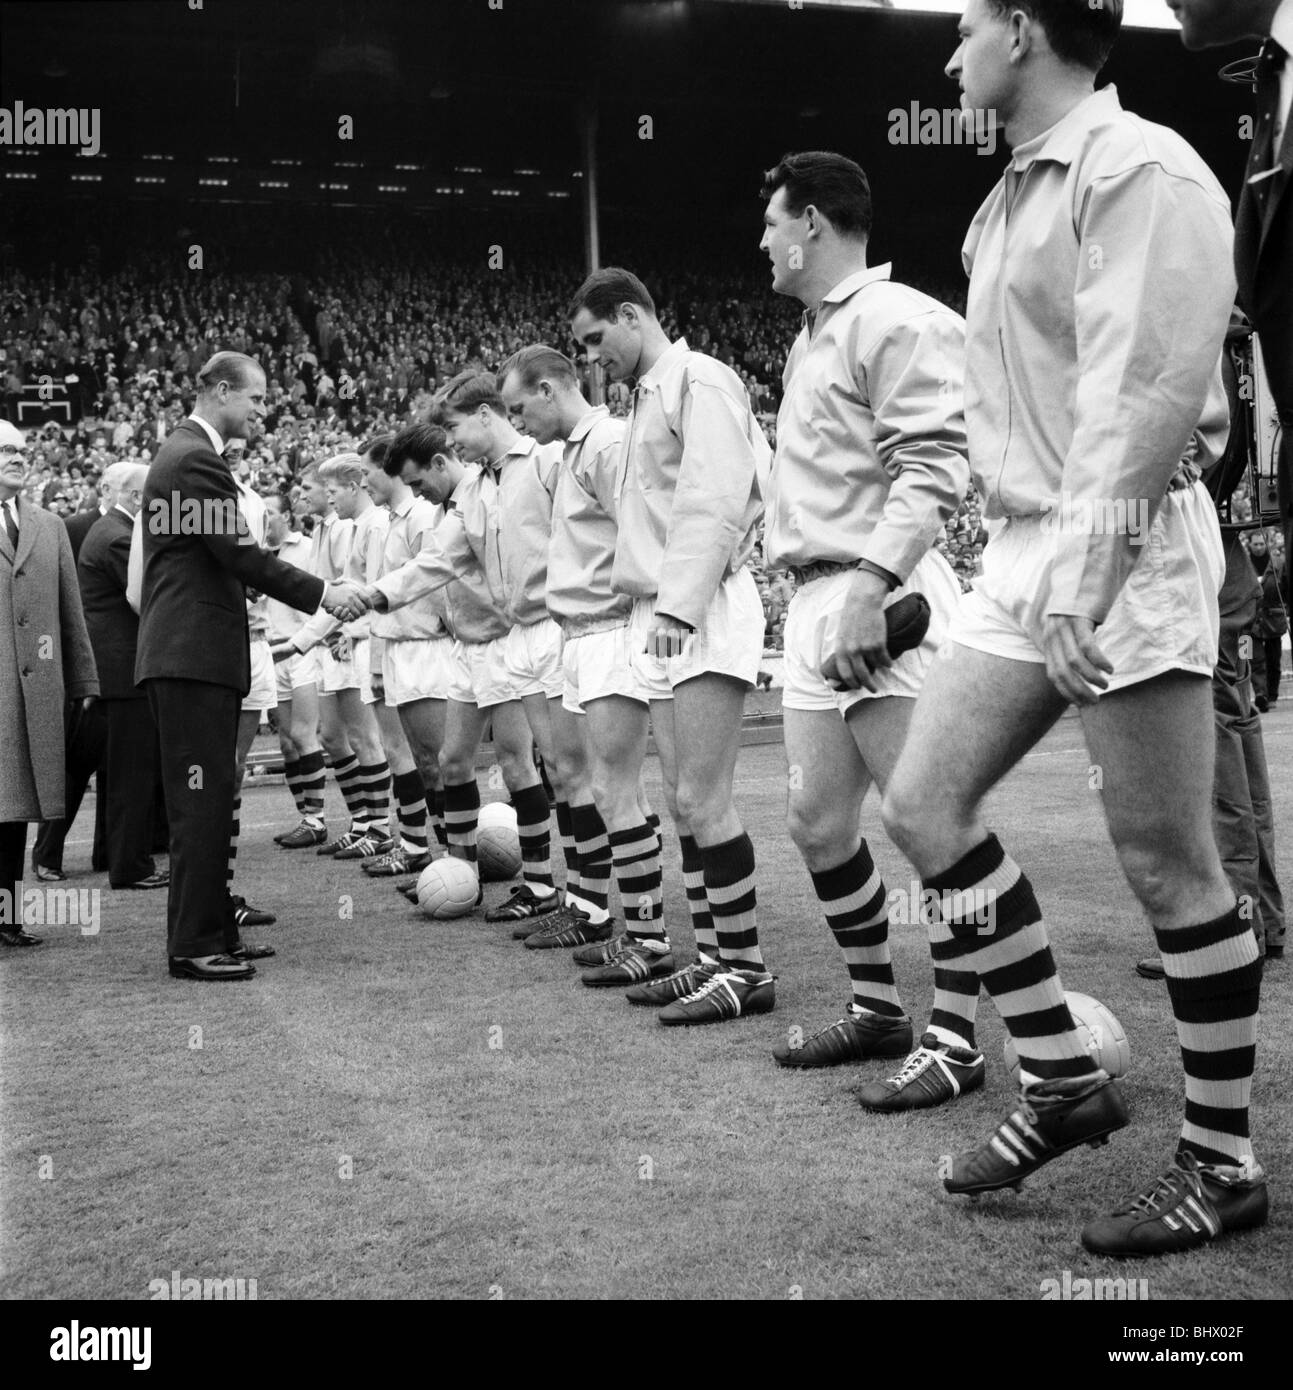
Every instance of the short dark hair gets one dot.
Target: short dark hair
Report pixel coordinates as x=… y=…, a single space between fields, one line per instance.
x=466 y=392
x=606 y=289
x=533 y=364
x=834 y=185
x=420 y=442
x=1079 y=31
x=234 y=367
x=376 y=448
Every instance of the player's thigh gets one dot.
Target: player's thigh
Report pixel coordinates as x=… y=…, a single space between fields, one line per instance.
x=332 y=727
x=305 y=715
x=248 y=723
x=424 y=724
x=569 y=741
x=662 y=730
x=514 y=744
x=707 y=713
x=399 y=756
x=1153 y=746
x=615 y=734
x=977 y=715
x=463 y=730
x=286 y=728
x=539 y=717
x=878 y=729
x=826 y=779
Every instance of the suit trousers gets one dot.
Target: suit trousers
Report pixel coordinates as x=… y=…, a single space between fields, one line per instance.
x=197 y=725
x=131 y=775
x=13 y=844
x=1242 y=818
x=84 y=739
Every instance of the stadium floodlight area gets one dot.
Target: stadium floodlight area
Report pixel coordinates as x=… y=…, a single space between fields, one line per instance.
x=1139 y=14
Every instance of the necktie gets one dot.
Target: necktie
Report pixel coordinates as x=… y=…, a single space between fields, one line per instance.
x=1270 y=64
x=11 y=524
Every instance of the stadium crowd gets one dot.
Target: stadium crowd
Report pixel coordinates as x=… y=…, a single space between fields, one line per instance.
x=355 y=348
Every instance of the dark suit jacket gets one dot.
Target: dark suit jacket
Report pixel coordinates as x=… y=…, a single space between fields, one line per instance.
x=113 y=624
x=1264 y=264
x=78 y=527
x=198 y=560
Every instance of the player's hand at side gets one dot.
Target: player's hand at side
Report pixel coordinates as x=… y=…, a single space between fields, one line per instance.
x=862 y=645
x=282 y=649
x=1077 y=667
x=341 y=647
x=666 y=637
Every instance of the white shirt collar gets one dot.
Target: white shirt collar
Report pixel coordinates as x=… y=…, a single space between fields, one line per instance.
x=216 y=442
x=850 y=285
x=672 y=354
x=1282 y=27
x=125 y=511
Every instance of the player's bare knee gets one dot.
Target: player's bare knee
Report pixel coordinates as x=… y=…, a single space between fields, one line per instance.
x=457 y=767
x=820 y=837
x=699 y=805
x=1160 y=877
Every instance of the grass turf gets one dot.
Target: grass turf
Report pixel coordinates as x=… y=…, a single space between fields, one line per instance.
x=400 y=1108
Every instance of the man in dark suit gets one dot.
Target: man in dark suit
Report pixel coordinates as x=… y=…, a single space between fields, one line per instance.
x=130 y=735
x=86 y=734
x=193 y=656
x=1264 y=224
x=79 y=523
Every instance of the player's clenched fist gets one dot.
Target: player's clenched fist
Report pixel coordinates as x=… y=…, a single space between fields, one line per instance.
x=1074 y=662
x=861 y=646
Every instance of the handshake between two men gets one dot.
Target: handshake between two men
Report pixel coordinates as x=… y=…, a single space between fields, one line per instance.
x=347 y=600
x=343 y=600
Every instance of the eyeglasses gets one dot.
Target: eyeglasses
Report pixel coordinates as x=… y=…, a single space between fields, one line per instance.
x=10 y=451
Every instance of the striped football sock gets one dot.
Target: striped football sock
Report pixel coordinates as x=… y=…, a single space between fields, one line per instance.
x=311 y=774
x=997 y=931
x=436 y=805
x=637 y=871
x=411 y=811
x=461 y=812
x=569 y=849
x=956 y=990
x=533 y=814
x=375 y=788
x=235 y=829
x=347 y=774
x=292 y=776
x=856 y=905
x=693 y=881
x=593 y=846
x=729 y=886
x=1214 y=981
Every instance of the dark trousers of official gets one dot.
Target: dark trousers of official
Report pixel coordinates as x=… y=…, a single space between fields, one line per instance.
x=131 y=762
x=1242 y=818
x=1267 y=655
x=197 y=725
x=13 y=845
x=84 y=740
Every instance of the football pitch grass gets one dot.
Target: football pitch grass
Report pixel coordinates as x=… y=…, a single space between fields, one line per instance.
x=401 y=1108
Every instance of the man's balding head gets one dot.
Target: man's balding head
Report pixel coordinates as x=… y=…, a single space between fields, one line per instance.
x=122 y=485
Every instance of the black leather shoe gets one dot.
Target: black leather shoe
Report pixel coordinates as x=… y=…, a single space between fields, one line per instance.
x=223 y=967
x=19 y=938
x=1151 y=968
x=242 y=951
x=46 y=875
x=161 y=879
